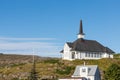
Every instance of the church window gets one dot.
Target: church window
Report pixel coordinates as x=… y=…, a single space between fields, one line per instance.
x=73 y=55
x=89 y=69
x=97 y=55
x=94 y=54
x=100 y=54
x=91 y=54
x=86 y=54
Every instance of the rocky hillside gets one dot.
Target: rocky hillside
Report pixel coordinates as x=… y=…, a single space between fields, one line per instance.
x=18 y=67
x=11 y=59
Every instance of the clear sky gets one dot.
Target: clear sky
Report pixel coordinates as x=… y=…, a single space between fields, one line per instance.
x=46 y=25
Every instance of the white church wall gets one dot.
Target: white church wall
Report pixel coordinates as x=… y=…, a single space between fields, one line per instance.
x=82 y=55
x=67 y=53
x=78 y=55
x=104 y=55
x=107 y=55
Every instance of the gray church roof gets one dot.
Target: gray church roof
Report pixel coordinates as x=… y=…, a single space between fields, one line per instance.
x=88 y=45
x=91 y=70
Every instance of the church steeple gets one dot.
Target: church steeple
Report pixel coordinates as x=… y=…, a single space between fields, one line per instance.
x=81 y=34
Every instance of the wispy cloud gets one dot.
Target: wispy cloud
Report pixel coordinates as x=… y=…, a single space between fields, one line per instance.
x=9 y=38
x=9 y=45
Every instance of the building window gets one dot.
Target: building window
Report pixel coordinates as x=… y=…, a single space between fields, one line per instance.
x=73 y=55
x=91 y=54
x=83 y=70
x=100 y=55
x=94 y=54
x=86 y=54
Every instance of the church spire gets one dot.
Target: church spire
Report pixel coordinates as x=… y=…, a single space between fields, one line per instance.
x=81 y=34
x=81 y=28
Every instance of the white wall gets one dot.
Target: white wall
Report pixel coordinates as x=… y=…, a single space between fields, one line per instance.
x=66 y=53
x=107 y=55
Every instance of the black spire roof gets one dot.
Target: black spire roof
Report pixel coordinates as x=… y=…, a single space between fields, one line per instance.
x=81 y=28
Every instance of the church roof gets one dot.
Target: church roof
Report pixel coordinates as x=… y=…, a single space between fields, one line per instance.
x=88 y=45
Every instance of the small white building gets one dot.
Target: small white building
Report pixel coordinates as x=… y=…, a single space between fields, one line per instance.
x=85 y=72
x=85 y=49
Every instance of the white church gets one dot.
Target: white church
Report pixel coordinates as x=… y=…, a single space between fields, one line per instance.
x=85 y=49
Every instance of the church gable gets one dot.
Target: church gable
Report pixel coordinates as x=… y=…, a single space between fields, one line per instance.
x=67 y=47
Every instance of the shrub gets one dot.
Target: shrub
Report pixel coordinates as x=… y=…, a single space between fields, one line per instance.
x=112 y=73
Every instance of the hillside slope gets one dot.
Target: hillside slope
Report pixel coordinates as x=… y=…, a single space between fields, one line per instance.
x=20 y=66
x=9 y=59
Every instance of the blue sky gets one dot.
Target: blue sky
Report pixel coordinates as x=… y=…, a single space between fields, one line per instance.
x=46 y=25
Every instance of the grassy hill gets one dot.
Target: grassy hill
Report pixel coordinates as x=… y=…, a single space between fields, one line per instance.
x=12 y=66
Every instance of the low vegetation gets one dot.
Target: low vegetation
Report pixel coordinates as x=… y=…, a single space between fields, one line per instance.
x=48 y=67
x=117 y=55
x=112 y=72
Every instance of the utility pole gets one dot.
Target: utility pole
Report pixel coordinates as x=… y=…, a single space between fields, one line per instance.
x=33 y=73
